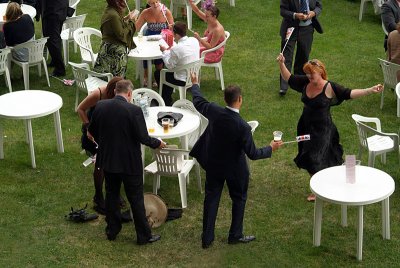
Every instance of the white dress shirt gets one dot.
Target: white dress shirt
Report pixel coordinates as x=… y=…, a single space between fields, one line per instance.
x=185 y=51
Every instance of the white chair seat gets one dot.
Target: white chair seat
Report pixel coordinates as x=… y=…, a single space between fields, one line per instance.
x=92 y=83
x=378 y=143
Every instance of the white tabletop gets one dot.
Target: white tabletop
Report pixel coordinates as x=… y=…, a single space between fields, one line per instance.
x=26 y=9
x=145 y=50
x=372 y=185
x=26 y=104
x=189 y=122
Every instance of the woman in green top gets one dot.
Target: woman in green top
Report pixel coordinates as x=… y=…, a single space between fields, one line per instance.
x=117 y=39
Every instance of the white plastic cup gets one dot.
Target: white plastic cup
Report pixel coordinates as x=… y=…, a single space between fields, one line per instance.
x=277 y=135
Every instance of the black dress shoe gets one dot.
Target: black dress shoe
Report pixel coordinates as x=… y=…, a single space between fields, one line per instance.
x=126 y=216
x=152 y=239
x=282 y=92
x=206 y=245
x=112 y=234
x=243 y=239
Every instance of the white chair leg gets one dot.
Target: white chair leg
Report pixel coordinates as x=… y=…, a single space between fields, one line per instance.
x=371 y=159
x=189 y=16
x=46 y=71
x=197 y=165
x=221 y=77
x=155 y=183
x=39 y=70
x=76 y=98
x=65 y=44
x=232 y=3
x=362 y=7
x=25 y=73
x=398 y=107
x=182 y=188
x=382 y=99
x=8 y=79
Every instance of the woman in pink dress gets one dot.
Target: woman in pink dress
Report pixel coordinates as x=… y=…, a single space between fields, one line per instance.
x=214 y=34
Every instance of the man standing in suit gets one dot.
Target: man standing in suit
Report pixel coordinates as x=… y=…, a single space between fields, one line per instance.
x=119 y=128
x=221 y=151
x=390 y=17
x=302 y=15
x=53 y=13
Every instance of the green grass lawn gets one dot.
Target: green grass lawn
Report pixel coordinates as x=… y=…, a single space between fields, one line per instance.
x=33 y=202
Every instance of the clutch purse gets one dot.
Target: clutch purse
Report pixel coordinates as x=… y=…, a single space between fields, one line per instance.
x=175 y=117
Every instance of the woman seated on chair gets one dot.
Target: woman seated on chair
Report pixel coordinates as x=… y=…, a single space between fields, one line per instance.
x=85 y=110
x=214 y=34
x=18 y=29
x=158 y=17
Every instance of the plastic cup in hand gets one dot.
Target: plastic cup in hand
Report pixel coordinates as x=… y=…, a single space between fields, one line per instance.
x=277 y=135
x=140 y=36
x=165 y=124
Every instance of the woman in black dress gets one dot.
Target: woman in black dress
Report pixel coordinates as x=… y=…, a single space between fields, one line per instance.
x=318 y=95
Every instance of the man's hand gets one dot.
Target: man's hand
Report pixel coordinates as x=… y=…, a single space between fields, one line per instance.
x=162 y=145
x=275 y=145
x=193 y=77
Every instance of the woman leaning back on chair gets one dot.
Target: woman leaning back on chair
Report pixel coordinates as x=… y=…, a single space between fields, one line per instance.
x=158 y=17
x=318 y=94
x=85 y=110
x=117 y=38
x=18 y=29
x=214 y=34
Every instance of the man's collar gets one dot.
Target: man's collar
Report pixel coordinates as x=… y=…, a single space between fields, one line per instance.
x=182 y=39
x=233 y=109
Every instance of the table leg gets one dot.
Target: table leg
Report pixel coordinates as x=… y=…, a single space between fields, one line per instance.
x=149 y=74
x=189 y=15
x=360 y=228
x=317 y=222
x=26 y=132
x=344 y=215
x=137 y=5
x=1 y=143
x=57 y=127
x=30 y=140
x=385 y=219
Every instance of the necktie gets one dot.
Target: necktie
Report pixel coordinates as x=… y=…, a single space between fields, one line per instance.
x=304 y=6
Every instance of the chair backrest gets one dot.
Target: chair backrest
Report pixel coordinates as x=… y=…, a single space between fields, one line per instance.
x=193 y=137
x=389 y=70
x=150 y=93
x=169 y=161
x=72 y=24
x=74 y=3
x=377 y=6
x=253 y=124
x=193 y=67
x=365 y=119
x=143 y=29
x=3 y=59
x=35 y=49
x=82 y=38
x=82 y=71
x=223 y=43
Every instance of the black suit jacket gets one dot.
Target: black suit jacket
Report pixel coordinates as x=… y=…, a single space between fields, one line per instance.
x=57 y=8
x=390 y=15
x=119 y=128
x=225 y=141
x=289 y=7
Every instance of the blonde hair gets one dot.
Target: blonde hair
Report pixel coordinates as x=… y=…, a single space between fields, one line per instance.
x=13 y=11
x=315 y=66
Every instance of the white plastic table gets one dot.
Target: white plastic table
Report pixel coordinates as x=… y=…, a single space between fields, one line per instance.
x=145 y=50
x=372 y=185
x=29 y=104
x=26 y=9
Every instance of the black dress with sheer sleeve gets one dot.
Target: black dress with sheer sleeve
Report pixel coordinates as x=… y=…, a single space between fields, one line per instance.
x=323 y=149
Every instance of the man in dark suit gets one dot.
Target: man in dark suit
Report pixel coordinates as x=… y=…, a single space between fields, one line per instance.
x=119 y=128
x=302 y=15
x=221 y=151
x=390 y=17
x=53 y=13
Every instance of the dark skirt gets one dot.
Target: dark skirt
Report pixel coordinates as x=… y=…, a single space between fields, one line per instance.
x=112 y=58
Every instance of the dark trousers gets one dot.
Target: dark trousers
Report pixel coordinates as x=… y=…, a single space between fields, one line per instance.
x=134 y=192
x=51 y=26
x=302 y=38
x=238 y=193
x=167 y=90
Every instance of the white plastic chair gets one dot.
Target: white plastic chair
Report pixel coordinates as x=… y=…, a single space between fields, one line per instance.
x=87 y=80
x=74 y=5
x=377 y=7
x=82 y=38
x=232 y=3
x=35 y=49
x=193 y=67
x=4 y=56
x=398 y=99
x=67 y=34
x=390 y=71
x=217 y=65
x=194 y=136
x=253 y=124
x=171 y=162
x=374 y=140
x=150 y=93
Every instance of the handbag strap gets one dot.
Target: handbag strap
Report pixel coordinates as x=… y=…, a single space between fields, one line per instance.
x=163 y=11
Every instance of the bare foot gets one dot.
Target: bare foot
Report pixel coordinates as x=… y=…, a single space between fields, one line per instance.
x=311 y=198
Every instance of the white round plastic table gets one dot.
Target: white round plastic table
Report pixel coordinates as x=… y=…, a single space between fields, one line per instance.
x=29 y=104
x=372 y=185
x=26 y=9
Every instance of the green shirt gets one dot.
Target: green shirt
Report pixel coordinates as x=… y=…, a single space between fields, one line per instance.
x=115 y=29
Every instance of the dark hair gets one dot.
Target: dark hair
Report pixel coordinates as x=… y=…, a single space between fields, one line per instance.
x=231 y=94
x=123 y=86
x=214 y=11
x=111 y=86
x=13 y=11
x=119 y=5
x=180 y=28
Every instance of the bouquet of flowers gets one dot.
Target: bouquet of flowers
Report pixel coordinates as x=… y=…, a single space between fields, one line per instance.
x=208 y=3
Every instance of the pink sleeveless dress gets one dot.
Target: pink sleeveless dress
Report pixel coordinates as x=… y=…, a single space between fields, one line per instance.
x=214 y=56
